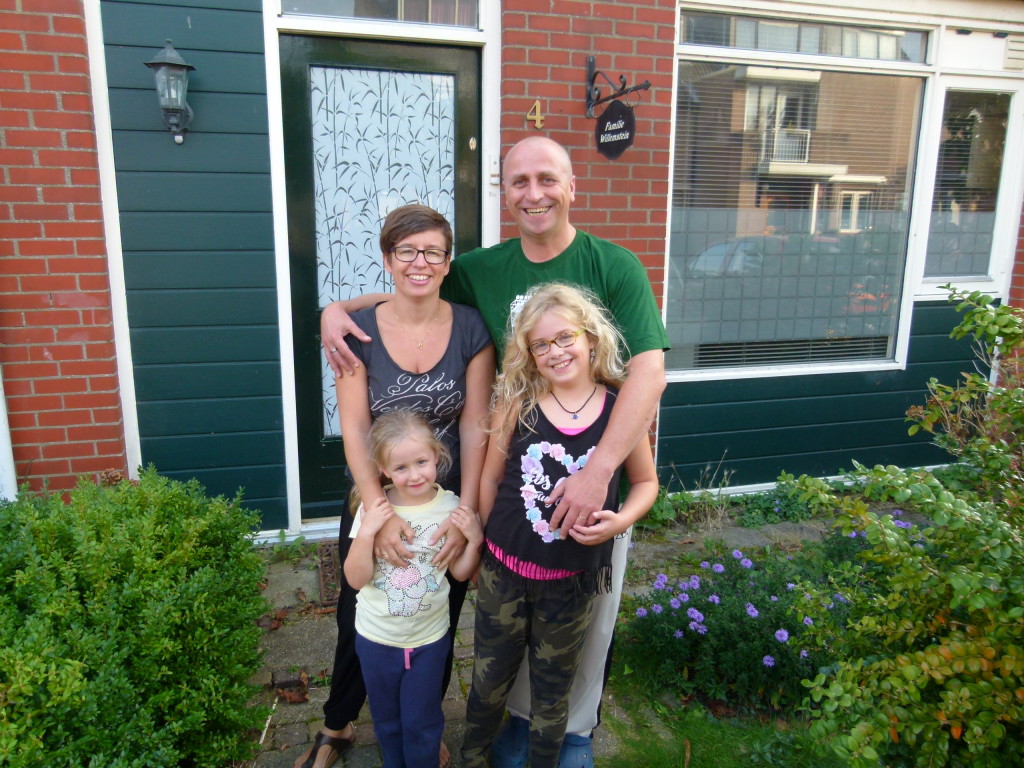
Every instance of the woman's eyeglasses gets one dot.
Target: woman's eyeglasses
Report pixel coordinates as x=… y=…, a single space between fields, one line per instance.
x=408 y=253
x=563 y=341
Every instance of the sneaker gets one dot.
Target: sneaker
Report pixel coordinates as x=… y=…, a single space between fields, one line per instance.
x=577 y=752
x=512 y=747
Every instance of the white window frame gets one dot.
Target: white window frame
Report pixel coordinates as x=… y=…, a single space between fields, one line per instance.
x=877 y=14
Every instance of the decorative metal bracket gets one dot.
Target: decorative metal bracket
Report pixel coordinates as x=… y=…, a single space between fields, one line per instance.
x=594 y=92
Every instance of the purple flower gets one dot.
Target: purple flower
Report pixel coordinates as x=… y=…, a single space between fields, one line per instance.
x=705 y=564
x=660 y=581
x=903 y=524
x=718 y=568
x=699 y=628
x=656 y=608
x=790 y=586
x=752 y=611
x=694 y=582
x=683 y=597
x=840 y=598
x=768 y=661
x=641 y=612
x=714 y=599
x=897 y=512
x=808 y=620
x=678 y=633
x=781 y=635
x=674 y=602
x=852 y=534
x=803 y=653
x=774 y=599
x=694 y=614
x=737 y=554
x=746 y=562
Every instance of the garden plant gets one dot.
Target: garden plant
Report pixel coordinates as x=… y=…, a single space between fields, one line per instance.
x=128 y=627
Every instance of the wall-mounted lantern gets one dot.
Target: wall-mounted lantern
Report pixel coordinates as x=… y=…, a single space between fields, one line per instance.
x=171 y=74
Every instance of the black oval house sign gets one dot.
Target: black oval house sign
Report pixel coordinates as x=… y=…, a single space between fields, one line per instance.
x=615 y=129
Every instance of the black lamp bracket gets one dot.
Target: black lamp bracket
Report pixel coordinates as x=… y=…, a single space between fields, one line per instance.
x=594 y=92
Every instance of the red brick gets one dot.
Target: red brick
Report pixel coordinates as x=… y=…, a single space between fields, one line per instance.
x=23 y=420
x=9 y=157
x=30 y=22
x=81 y=299
x=550 y=23
x=90 y=247
x=13 y=194
x=51 y=318
x=22 y=403
x=93 y=400
x=87 y=212
x=102 y=351
x=80 y=140
x=76 y=102
x=25 y=453
x=96 y=432
x=44 y=176
x=106 y=367
x=28 y=301
x=11 y=41
x=40 y=212
x=67 y=120
x=60 y=386
x=38 y=435
x=67 y=158
x=65 y=418
x=22 y=335
x=63 y=84
x=110 y=448
x=550 y=57
x=27 y=100
x=85 y=177
x=614 y=11
x=69 y=25
x=83 y=334
x=592 y=26
x=68 y=450
x=107 y=416
x=77 y=265
x=103 y=383
x=97 y=317
x=102 y=462
x=74 y=229
x=45 y=248
x=65 y=7
x=10 y=118
x=48 y=283
x=52 y=470
x=55 y=43
x=29 y=61
x=78 y=65
x=30 y=370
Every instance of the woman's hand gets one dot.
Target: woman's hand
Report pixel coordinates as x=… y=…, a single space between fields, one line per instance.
x=607 y=525
x=375 y=516
x=454 y=543
x=390 y=541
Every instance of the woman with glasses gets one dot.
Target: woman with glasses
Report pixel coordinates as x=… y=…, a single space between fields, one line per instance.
x=425 y=355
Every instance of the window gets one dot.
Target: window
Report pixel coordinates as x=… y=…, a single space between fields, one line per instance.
x=461 y=13
x=967 y=183
x=762 y=34
x=790 y=213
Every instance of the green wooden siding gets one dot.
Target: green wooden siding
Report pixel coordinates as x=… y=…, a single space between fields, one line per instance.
x=753 y=429
x=197 y=235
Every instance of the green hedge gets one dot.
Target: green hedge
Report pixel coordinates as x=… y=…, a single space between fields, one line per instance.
x=128 y=627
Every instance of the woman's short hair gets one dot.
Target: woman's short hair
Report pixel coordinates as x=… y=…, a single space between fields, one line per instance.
x=411 y=220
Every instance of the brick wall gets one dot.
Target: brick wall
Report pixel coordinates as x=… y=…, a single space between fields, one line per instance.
x=545 y=58
x=56 y=336
x=1017 y=286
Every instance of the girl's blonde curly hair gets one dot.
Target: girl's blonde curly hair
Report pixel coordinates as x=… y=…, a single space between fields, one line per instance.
x=520 y=386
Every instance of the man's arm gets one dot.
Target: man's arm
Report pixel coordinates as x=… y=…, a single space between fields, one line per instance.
x=335 y=325
x=584 y=492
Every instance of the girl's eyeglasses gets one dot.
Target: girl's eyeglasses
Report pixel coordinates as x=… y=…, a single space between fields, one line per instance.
x=563 y=340
x=408 y=253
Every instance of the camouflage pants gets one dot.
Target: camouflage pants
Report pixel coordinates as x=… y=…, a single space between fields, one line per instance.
x=509 y=621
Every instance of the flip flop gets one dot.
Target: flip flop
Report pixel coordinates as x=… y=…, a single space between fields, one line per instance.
x=577 y=752
x=337 y=743
x=512 y=747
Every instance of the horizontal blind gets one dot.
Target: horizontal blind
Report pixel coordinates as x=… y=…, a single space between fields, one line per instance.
x=791 y=192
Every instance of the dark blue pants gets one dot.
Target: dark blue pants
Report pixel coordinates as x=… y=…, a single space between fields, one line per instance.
x=404 y=703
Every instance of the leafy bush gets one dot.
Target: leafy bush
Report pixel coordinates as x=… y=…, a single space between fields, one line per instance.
x=929 y=662
x=127 y=627
x=730 y=631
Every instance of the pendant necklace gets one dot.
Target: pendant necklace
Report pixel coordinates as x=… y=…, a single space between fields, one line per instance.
x=575 y=414
x=430 y=329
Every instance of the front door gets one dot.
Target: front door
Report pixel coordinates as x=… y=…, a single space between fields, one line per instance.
x=368 y=126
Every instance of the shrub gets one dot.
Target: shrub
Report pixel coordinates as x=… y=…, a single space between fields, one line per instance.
x=127 y=627
x=729 y=631
x=929 y=662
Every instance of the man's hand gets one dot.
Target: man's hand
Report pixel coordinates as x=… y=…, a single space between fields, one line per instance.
x=390 y=541
x=335 y=325
x=577 y=498
x=454 y=543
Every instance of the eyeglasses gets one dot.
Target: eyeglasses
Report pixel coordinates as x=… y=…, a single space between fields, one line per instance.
x=563 y=340
x=432 y=255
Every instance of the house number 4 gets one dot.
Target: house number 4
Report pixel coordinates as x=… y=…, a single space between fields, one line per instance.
x=535 y=115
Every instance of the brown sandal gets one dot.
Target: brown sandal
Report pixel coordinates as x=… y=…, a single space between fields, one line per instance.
x=337 y=743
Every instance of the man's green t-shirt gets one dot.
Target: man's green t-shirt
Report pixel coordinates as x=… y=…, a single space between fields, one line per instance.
x=498 y=278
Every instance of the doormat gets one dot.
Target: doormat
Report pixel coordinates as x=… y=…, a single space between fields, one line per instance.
x=329 y=570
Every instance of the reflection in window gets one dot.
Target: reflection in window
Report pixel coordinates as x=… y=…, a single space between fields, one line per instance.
x=967 y=183
x=790 y=214
x=763 y=34
x=460 y=13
